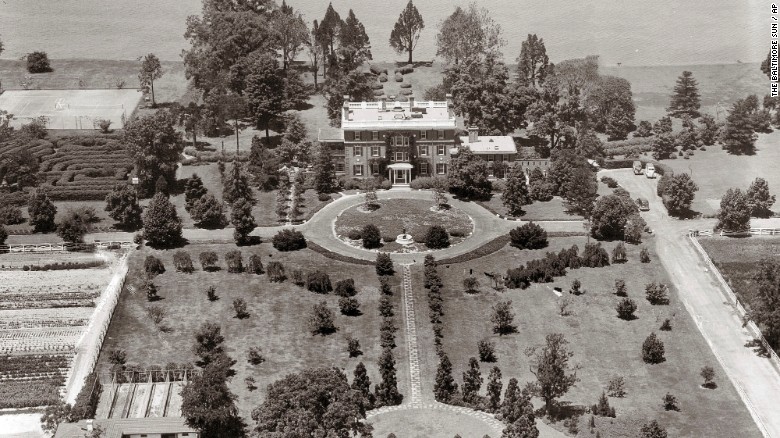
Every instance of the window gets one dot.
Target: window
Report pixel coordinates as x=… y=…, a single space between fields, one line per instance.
x=358 y=151
x=374 y=169
x=440 y=149
x=357 y=170
x=375 y=151
x=423 y=135
x=423 y=151
x=356 y=135
x=441 y=168
x=339 y=166
x=401 y=156
x=375 y=135
x=441 y=135
x=424 y=168
x=398 y=140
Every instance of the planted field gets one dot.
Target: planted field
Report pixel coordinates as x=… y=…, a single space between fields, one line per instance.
x=604 y=345
x=277 y=322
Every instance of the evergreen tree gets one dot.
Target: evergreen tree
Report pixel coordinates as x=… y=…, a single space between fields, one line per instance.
x=41 y=211
x=738 y=136
x=445 y=387
x=149 y=71
x=236 y=185
x=265 y=91
x=516 y=194
x=468 y=175
x=387 y=391
x=122 y=206
x=734 y=214
x=362 y=384
x=759 y=200
x=193 y=191
x=581 y=192
x=518 y=412
x=3 y=234
x=494 y=387
x=324 y=172
x=533 y=63
x=327 y=38
x=208 y=405
x=653 y=430
x=472 y=382
x=162 y=226
x=355 y=46
x=208 y=212
x=663 y=146
x=407 y=30
x=686 y=99
x=242 y=219
x=552 y=370
x=663 y=126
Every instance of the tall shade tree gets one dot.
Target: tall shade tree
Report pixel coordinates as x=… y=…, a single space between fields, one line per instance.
x=291 y=31
x=355 y=47
x=734 y=214
x=460 y=36
x=150 y=71
x=407 y=30
x=759 y=200
x=533 y=62
x=353 y=84
x=72 y=227
x=155 y=145
x=265 y=92
x=162 y=226
x=686 y=99
x=737 y=134
x=468 y=176
x=516 y=193
x=315 y=52
x=576 y=76
x=765 y=309
x=327 y=37
x=122 y=206
x=554 y=116
x=679 y=193
x=611 y=108
x=208 y=405
x=550 y=364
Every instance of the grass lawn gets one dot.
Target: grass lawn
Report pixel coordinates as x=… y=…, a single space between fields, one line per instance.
x=716 y=171
x=737 y=260
x=396 y=215
x=428 y=424
x=277 y=321
x=604 y=345
x=552 y=210
x=62 y=208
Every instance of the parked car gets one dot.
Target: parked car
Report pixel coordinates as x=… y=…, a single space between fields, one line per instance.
x=637 y=167
x=650 y=170
x=642 y=204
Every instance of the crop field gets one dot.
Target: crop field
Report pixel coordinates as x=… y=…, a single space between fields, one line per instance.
x=43 y=314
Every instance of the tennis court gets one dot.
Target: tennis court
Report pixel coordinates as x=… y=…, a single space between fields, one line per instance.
x=71 y=109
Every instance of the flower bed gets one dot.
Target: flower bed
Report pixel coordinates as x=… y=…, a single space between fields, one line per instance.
x=24 y=394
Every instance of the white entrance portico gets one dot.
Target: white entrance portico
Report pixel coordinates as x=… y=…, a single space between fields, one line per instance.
x=400 y=173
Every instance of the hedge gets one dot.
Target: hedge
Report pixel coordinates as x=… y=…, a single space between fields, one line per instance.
x=338 y=257
x=486 y=249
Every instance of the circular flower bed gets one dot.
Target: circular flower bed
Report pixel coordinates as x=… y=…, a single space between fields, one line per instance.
x=394 y=216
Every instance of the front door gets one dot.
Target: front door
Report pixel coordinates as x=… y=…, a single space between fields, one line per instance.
x=400 y=177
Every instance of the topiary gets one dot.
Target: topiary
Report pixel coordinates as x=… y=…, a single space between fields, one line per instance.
x=437 y=237
x=371 y=236
x=528 y=236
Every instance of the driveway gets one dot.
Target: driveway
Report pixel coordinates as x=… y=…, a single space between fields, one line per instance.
x=755 y=378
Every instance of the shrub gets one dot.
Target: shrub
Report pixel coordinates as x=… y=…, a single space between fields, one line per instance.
x=346 y=288
x=708 y=374
x=657 y=294
x=104 y=125
x=11 y=215
x=594 y=256
x=234 y=261
x=384 y=264
x=321 y=320
x=151 y=291
x=211 y=293
x=371 y=236
x=87 y=399
x=610 y=182
x=666 y=326
x=353 y=347
x=385 y=306
x=275 y=272
x=620 y=288
x=183 y=262
x=487 y=351
x=255 y=356
x=38 y=62
x=436 y=237
x=156 y=314
x=616 y=387
x=255 y=265
x=318 y=282
x=399 y=77
x=653 y=350
x=354 y=234
x=153 y=266
x=670 y=402
x=289 y=240
x=528 y=236
x=471 y=285
x=388 y=238
x=653 y=430
x=602 y=408
x=239 y=305
x=626 y=308
x=503 y=318
x=117 y=357
x=208 y=261
x=576 y=286
x=298 y=278
x=644 y=255
x=619 y=253
x=349 y=306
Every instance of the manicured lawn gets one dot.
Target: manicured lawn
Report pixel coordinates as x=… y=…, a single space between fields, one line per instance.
x=737 y=260
x=604 y=345
x=552 y=210
x=428 y=424
x=395 y=215
x=277 y=321
x=716 y=171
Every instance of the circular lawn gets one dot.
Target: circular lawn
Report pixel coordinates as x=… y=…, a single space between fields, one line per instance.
x=394 y=216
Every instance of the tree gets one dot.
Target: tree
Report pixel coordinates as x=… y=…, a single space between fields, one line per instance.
x=193 y=191
x=528 y=236
x=355 y=44
x=72 y=227
x=208 y=405
x=162 y=226
x=765 y=308
x=122 y=206
x=552 y=370
x=289 y=240
x=242 y=219
x=664 y=146
x=54 y=415
x=685 y=99
x=291 y=31
x=589 y=145
x=461 y=35
x=155 y=146
x=315 y=52
x=384 y=264
x=487 y=351
x=265 y=92
x=327 y=37
x=516 y=193
x=362 y=384
x=407 y=30
x=644 y=129
x=494 y=387
x=581 y=192
x=324 y=171
x=445 y=387
x=610 y=216
x=737 y=135
x=657 y=293
x=626 y=308
x=734 y=213
x=387 y=391
x=663 y=126
x=320 y=320
x=653 y=350
x=3 y=234
x=653 y=430
x=150 y=71
x=758 y=198
x=354 y=84
x=313 y=402
x=678 y=195
x=38 y=62
x=554 y=116
x=236 y=185
x=611 y=106
x=468 y=176
x=533 y=63
x=208 y=343
x=371 y=236
x=472 y=382
x=208 y=212
x=503 y=318
x=41 y=211
x=437 y=237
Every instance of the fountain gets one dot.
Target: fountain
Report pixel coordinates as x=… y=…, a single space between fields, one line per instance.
x=404 y=238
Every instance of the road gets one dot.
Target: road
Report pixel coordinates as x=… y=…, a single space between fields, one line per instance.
x=755 y=378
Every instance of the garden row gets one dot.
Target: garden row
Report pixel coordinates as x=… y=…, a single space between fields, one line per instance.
x=25 y=367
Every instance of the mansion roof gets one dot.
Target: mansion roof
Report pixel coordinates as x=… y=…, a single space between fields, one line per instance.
x=490 y=144
x=397 y=115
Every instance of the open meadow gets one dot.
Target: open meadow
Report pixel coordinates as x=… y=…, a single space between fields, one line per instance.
x=604 y=345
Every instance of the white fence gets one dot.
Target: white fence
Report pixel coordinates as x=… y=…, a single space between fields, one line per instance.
x=752 y=327
x=63 y=246
x=751 y=232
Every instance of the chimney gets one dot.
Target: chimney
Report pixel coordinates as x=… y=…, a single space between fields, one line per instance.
x=382 y=103
x=89 y=426
x=448 y=96
x=345 y=108
x=411 y=101
x=473 y=134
